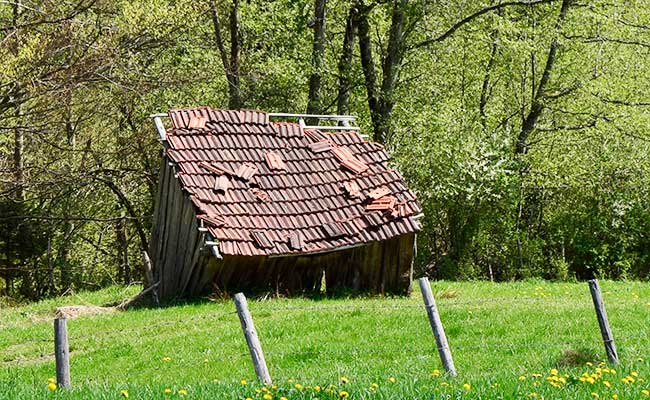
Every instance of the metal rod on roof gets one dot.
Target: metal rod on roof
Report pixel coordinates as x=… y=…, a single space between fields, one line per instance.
x=319 y=116
x=159 y=115
x=332 y=127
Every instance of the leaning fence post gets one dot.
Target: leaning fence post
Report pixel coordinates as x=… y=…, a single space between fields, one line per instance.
x=601 y=314
x=61 y=352
x=436 y=326
x=251 y=339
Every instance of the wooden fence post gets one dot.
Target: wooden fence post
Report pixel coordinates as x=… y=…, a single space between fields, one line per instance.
x=251 y=339
x=601 y=314
x=61 y=352
x=436 y=327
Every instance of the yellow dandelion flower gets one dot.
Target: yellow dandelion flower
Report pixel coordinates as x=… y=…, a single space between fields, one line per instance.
x=612 y=371
x=167 y=391
x=444 y=384
x=392 y=380
x=554 y=371
x=436 y=372
x=51 y=386
x=641 y=380
x=589 y=364
x=343 y=394
x=606 y=383
x=532 y=395
x=283 y=398
x=645 y=392
x=167 y=359
x=522 y=378
x=124 y=393
x=537 y=375
x=290 y=380
x=205 y=360
x=316 y=388
x=467 y=386
x=249 y=398
x=634 y=374
x=298 y=386
x=494 y=385
x=594 y=395
x=51 y=380
x=182 y=392
x=639 y=359
x=344 y=380
x=244 y=382
x=614 y=396
x=590 y=380
x=267 y=396
x=374 y=386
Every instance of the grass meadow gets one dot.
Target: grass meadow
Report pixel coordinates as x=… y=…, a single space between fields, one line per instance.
x=523 y=340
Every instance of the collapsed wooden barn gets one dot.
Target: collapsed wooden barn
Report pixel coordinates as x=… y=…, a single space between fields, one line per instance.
x=246 y=203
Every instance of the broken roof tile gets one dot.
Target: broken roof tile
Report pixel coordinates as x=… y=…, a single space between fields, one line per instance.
x=296 y=241
x=355 y=165
x=261 y=239
x=342 y=153
x=315 y=135
x=352 y=188
x=197 y=122
x=274 y=160
x=221 y=184
x=333 y=229
x=246 y=171
x=379 y=192
x=384 y=203
x=260 y=194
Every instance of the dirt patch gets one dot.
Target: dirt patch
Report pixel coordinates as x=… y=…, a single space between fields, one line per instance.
x=79 y=311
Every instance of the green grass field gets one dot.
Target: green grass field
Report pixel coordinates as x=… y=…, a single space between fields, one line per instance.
x=506 y=340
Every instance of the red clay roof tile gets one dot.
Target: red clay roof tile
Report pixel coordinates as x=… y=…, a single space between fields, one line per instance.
x=274 y=160
x=299 y=200
x=222 y=183
x=296 y=241
x=246 y=171
x=214 y=220
x=379 y=193
x=320 y=146
x=384 y=203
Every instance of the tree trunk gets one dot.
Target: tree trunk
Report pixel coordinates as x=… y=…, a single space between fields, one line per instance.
x=367 y=62
x=230 y=66
x=62 y=256
x=345 y=63
x=380 y=100
x=314 y=105
x=537 y=105
x=390 y=66
x=121 y=232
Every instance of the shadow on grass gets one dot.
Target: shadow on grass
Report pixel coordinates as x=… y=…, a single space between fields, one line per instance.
x=259 y=295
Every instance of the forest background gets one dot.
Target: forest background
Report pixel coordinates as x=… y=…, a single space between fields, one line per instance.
x=523 y=126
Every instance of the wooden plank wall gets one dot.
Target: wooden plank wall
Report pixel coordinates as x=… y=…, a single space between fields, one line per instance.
x=175 y=237
x=378 y=267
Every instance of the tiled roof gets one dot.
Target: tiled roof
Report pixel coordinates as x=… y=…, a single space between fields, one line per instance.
x=270 y=188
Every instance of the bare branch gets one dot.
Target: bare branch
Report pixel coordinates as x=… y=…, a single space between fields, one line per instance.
x=477 y=14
